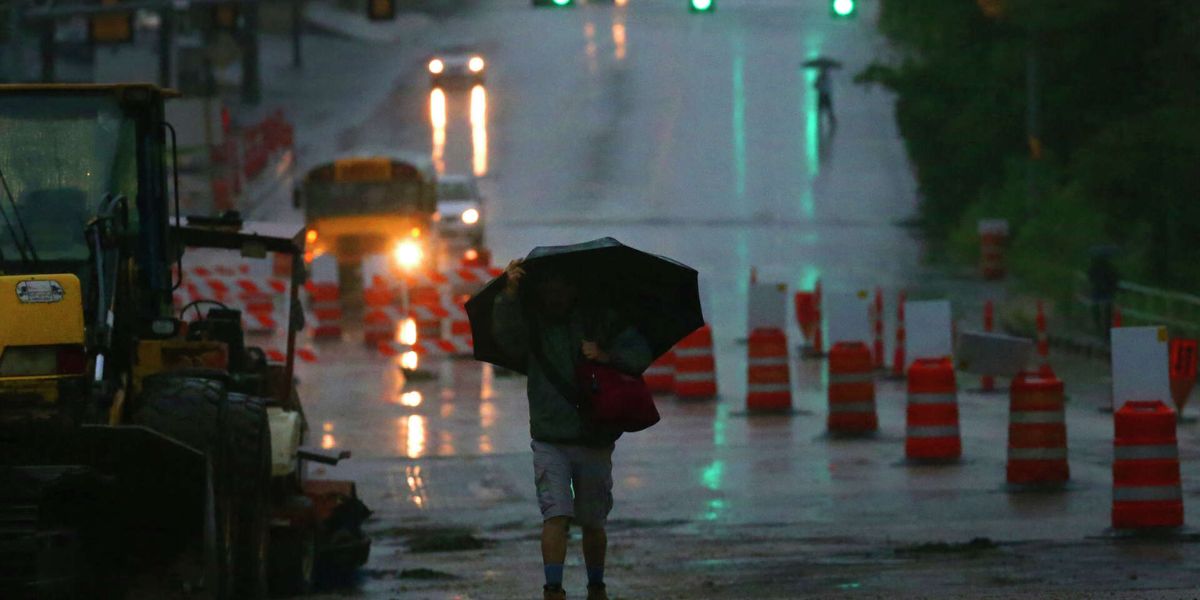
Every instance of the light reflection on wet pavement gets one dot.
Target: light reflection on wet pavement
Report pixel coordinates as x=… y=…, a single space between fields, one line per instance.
x=698 y=139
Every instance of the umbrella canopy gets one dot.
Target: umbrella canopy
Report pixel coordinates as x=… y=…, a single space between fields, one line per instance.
x=658 y=296
x=821 y=62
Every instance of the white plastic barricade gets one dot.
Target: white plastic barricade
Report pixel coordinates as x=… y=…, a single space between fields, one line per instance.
x=993 y=354
x=1140 y=365
x=767 y=308
x=928 y=329
x=847 y=317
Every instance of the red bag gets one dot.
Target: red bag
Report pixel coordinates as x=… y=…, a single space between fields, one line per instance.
x=615 y=400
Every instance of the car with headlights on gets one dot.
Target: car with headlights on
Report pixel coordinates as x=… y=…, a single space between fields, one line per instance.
x=460 y=216
x=457 y=65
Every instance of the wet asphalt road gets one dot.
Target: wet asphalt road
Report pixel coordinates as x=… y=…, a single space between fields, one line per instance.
x=697 y=136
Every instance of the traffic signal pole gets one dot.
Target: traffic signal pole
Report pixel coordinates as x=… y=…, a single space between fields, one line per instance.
x=251 y=75
x=297 y=25
x=43 y=19
x=48 y=56
x=166 y=45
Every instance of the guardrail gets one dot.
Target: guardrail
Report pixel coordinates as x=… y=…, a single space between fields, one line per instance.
x=1145 y=305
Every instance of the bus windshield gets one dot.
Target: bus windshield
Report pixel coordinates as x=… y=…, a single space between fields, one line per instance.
x=368 y=186
x=59 y=156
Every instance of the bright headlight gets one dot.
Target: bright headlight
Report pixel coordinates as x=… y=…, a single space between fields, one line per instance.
x=436 y=66
x=470 y=216
x=408 y=254
x=408 y=332
x=476 y=64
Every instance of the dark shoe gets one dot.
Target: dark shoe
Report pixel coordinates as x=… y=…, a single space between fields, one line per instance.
x=597 y=592
x=554 y=593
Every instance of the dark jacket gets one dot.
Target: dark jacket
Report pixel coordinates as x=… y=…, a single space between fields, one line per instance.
x=552 y=416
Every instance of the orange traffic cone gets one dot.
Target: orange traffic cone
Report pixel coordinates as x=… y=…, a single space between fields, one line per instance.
x=768 y=383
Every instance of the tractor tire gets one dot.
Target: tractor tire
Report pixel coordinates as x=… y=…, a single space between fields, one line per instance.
x=249 y=439
x=293 y=556
x=189 y=409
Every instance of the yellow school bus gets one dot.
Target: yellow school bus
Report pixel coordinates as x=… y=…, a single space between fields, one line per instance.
x=372 y=204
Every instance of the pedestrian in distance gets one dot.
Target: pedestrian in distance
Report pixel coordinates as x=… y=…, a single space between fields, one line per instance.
x=552 y=323
x=1104 y=281
x=824 y=87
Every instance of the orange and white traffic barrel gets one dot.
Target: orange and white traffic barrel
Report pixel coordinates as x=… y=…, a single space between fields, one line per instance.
x=851 y=390
x=877 y=328
x=660 y=375
x=695 y=365
x=325 y=300
x=379 y=319
x=932 y=414
x=987 y=383
x=1037 y=430
x=1146 y=483
x=899 y=362
x=459 y=328
x=993 y=235
x=768 y=382
x=808 y=318
x=1043 y=338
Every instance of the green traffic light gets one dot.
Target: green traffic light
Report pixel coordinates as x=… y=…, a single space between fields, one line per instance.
x=702 y=5
x=844 y=8
x=561 y=2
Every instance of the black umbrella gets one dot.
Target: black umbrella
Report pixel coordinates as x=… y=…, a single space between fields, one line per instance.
x=821 y=62
x=657 y=295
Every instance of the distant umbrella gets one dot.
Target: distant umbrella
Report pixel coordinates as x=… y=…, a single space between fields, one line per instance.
x=821 y=62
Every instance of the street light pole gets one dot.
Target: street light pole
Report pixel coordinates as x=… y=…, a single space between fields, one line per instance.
x=251 y=82
x=14 y=67
x=48 y=57
x=297 y=24
x=166 y=38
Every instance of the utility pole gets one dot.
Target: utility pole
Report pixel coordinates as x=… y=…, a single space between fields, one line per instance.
x=166 y=50
x=251 y=81
x=46 y=43
x=13 y=68
x=297 y=30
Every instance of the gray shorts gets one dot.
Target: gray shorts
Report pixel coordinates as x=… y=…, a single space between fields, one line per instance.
x=573 y=481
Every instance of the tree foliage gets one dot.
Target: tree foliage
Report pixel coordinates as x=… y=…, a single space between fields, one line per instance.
x=1117 y=96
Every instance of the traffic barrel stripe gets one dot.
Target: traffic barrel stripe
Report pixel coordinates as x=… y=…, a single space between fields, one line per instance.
x=1146 y=483
x=931 y=416
x=660 y=375
x=695 y=365
x=851 y=389
x=768 y=386
x=932 y=431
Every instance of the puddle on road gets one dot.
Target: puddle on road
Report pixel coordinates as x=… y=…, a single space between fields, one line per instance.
x=437 y=539
x=973 y=547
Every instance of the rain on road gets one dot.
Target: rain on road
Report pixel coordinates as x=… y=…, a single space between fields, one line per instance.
x=698 y=138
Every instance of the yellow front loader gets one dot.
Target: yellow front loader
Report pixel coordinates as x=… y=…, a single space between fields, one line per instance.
x=141 y=455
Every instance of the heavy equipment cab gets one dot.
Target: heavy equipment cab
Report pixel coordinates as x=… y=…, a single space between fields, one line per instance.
x=139 y=453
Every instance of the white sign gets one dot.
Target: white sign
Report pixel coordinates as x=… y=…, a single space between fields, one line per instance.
x=993 y=354
x=324 y=269
x=767 y=306
x=44 y=291
x=376 y=266
x=1140 y=365
x=928 y=331
x=847 y=316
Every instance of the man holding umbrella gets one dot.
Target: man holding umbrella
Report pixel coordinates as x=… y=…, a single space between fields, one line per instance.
x=598 y=302
x=824 y=85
